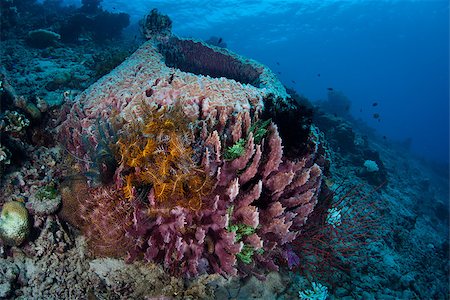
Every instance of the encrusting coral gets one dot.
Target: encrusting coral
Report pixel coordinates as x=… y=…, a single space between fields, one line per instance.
x=202 y=184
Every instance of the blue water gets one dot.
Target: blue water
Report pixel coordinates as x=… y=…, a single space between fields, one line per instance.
x=391 y=52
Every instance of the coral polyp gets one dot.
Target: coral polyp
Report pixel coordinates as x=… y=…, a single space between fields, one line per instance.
x=155 y=153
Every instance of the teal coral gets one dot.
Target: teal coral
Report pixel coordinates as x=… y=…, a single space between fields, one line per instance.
x=318 y=292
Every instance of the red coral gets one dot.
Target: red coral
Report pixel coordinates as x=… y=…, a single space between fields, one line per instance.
x=338 y=229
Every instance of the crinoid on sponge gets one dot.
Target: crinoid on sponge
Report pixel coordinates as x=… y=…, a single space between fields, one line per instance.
x=155 y=152
x=203 y=183
x=255 y=206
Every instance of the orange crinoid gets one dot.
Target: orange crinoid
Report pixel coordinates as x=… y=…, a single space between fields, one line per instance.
x=155 y=152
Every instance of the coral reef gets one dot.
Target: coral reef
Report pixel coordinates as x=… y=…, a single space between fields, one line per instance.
x=41 y=38
x=14 y=223
x=139 y=281
x=349 y=145
x=106 y=61
x=337 y=103
x=14 y=122
x=341 y=225
x=11 y=97
x=54 y=266
x=5 y=155
x=202 y=183
x=167 y=92
x=234 y=288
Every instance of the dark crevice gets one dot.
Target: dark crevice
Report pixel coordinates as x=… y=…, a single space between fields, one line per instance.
x=198 y=58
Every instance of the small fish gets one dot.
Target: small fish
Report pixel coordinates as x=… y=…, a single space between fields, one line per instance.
x=330 y=89
x=379 y=120
x=219 y=41
x=278 y=63
x=171 y=78
x=375 y=104
x=149 y=92
x=279 y=72
x=360 y=110
x=318 y=74
x=384 y=137
x=293 y=81
x=376 y=116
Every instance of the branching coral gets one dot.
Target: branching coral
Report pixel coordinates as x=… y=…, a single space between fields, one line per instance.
x=338 y=229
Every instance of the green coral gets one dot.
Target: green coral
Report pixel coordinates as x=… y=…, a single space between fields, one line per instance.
x=242 y=230
x=47 y=192
x=235 y=151
x=259 y=129
x=246 y=254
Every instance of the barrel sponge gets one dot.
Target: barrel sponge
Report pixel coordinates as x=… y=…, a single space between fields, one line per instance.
x=14 y=223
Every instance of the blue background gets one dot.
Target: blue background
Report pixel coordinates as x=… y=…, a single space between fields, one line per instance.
x=391 y=52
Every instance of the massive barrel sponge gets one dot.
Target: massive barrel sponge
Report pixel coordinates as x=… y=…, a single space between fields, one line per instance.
x=200 y=182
